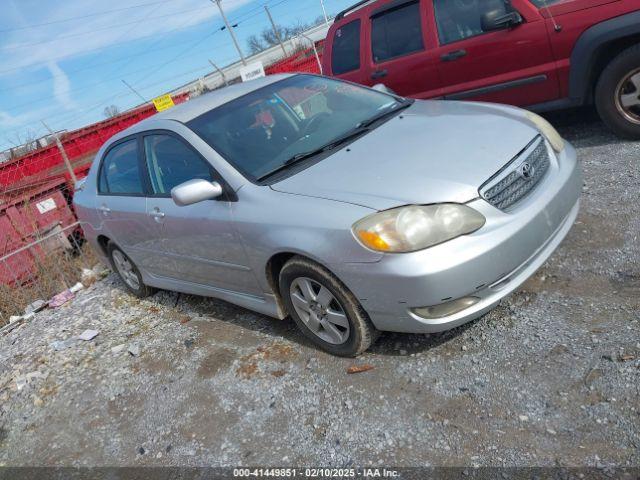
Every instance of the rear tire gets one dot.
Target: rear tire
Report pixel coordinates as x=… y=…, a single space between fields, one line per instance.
x=329 y=314
x=128 y=272
x=617 y=94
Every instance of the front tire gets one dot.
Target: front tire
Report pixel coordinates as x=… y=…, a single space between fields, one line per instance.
x=128 y=272
x=617 y=94
x=324 y=309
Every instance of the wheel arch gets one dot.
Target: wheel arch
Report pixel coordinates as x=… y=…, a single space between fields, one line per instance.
x=274 y=266
x=595 y=48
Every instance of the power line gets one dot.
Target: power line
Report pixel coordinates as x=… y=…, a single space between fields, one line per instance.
x=53 y=22
x=91 y=32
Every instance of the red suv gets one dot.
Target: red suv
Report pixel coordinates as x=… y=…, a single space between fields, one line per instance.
x=539 y=54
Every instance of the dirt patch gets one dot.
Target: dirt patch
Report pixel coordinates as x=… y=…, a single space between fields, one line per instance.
x=214 y=362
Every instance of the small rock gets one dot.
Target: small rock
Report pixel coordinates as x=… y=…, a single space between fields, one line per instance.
x=359 y=368
x=58 y=345
x=134 y=349
x=76 y=288
x=348 y=404
x=464 y=348
x=14 y=318
x=189 y=342
x=37 y=401
x=551 y=431
x=21 y=383
x=523 y=418
x=118 y=348
x=88 y=335
x=141 y=450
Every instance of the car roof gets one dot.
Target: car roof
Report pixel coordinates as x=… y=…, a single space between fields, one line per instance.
x=194 y=108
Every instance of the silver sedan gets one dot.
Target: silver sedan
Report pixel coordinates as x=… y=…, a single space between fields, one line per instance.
x=352 y=210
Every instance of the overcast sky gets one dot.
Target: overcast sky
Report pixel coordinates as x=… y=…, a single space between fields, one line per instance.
x=64 y=61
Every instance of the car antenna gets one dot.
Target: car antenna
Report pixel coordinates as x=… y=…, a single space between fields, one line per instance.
x=556 y=26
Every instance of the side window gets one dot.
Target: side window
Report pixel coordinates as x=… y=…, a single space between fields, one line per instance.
x=119 y=172
x=396 y=32
x=460 y=19
x=170 y=162
x=345 y=53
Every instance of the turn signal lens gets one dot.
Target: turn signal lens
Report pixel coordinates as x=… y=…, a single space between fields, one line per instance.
x=373 y=241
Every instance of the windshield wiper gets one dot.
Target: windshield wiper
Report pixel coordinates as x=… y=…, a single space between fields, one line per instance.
x=299 y=157
x=402 y=105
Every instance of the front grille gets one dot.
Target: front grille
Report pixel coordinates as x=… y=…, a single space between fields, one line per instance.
x=519 y=178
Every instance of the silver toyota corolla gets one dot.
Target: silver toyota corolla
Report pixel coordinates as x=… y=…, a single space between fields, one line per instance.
x=352 y=210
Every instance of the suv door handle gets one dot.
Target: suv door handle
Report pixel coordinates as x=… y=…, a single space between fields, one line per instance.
x=104 y=209
x=456 y=54
x=379 y=74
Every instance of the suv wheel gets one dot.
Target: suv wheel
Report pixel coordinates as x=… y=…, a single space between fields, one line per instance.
x=324 y=309
x=617 y=94
x=128 y=272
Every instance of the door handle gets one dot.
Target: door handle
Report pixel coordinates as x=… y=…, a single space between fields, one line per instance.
x=379 y=74
x=157 y=214
x=105 y=210
x=456 y=54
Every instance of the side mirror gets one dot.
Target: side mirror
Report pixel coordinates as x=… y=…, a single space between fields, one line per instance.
x=194 y=191
x=381 y=87
x=498 y=20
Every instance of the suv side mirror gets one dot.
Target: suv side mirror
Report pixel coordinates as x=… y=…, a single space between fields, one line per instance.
x=194 y=191
x=498 y=20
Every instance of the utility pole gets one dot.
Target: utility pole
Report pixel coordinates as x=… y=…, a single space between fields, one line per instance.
x=136 y=92
x=324 y=12
x=67 y=163
x=224 y=77
x=275 y=30
x=233 y=35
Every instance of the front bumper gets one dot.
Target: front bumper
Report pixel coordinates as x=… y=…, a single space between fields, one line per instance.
x=489 y=264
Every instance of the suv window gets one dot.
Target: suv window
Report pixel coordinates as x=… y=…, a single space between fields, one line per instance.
x=396 y=32
x=170 y=162
x=120 y=172
x=460 y=19
x=345 y=53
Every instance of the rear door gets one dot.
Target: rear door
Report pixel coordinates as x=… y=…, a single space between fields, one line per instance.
x=121 y=202
x=514 y=66
x=346 y=52
x=400 y=52
x=195 y=243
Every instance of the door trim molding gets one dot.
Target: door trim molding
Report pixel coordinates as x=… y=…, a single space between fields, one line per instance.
x=496 y=87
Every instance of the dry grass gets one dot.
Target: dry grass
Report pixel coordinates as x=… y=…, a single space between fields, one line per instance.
x=56 y=272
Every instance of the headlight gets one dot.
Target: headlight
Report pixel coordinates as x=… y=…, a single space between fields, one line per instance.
x=415 y=227
x=551 y=134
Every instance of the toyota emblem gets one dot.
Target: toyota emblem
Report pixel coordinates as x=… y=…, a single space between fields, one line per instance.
x=526 y=171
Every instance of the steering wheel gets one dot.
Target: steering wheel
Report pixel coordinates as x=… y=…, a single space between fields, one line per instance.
x=314 y=122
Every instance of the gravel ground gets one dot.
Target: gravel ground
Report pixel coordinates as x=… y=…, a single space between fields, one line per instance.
x=550 y=377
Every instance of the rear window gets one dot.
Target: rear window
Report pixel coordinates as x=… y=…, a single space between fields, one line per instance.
x=544 y=3
x=345 y=53
x=396 y=32
x=120 y=173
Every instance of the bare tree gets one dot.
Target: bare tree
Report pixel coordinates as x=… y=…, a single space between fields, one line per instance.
x=111 y=111
x=268 y=38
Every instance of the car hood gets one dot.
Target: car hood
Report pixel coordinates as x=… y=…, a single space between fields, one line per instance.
x=435 y=151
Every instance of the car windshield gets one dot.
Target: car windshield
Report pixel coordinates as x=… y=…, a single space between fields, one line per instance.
x=272 y=128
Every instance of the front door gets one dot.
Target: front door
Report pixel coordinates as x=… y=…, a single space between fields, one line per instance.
x=195 y=243
x=514 y=66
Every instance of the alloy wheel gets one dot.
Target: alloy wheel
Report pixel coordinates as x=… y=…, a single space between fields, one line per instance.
x=125 y=269
x=628 y=97
x=320 y=310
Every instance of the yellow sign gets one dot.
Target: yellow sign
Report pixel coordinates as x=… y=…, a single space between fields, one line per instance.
x=163 y=102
